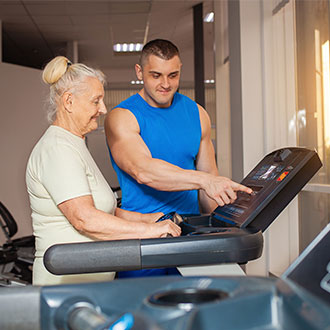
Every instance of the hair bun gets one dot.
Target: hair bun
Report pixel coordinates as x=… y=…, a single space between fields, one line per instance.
x=55 y=69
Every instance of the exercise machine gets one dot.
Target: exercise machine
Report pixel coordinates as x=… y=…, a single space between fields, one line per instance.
x=299 y=299
x=230 y=234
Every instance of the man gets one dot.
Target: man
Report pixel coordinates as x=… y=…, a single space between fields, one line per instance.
x=160 y=143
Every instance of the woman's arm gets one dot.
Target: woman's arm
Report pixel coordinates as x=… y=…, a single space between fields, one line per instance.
x=136 y=216
x=89 y=221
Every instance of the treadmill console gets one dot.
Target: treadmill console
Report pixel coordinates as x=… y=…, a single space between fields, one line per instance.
x=275 y=181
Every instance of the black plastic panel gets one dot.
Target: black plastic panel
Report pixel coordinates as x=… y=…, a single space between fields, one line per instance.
x=231 y=245
x=275 y=181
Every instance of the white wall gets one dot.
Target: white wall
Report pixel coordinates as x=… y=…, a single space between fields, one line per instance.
x=22 y=122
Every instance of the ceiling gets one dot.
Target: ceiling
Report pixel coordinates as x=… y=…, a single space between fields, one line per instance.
x=36 y=31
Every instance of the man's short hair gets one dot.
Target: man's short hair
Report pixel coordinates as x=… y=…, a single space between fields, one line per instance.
x=164 y=49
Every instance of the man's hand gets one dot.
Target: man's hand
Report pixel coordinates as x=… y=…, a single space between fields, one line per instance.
x=223 y=190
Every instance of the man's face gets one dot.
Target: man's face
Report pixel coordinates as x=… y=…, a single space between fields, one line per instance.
x=161 y=80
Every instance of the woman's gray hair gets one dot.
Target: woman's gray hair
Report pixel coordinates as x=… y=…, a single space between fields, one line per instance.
x=62 y=76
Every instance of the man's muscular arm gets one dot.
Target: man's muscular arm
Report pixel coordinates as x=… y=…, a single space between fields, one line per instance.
x=133 y=156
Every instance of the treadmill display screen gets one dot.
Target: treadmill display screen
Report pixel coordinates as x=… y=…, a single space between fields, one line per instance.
x=267 y=172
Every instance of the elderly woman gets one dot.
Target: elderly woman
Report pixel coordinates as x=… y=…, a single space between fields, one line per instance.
x=70 y=199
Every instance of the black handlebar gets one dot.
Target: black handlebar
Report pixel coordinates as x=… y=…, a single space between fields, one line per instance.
x=225 y=246
x=93 y=257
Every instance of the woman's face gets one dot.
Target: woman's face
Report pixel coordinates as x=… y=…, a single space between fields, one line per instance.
x=88 y=105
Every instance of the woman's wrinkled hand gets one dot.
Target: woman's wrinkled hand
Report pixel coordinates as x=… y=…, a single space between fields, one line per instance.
x=167 y=228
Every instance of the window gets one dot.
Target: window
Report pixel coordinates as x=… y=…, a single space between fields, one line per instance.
x=313 y=111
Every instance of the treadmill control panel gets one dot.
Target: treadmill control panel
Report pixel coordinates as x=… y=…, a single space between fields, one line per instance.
x=274 y=182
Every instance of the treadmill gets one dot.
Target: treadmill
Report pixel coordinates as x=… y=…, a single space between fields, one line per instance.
x=230 y=234
x=298 y=300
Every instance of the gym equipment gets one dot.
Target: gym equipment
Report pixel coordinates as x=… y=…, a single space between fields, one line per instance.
x=231 y=234
x=300 y=299
x=16 y=255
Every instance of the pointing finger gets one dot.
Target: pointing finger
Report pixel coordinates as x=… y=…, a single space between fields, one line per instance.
x=240 y=187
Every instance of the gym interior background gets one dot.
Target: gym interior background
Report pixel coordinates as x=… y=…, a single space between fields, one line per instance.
x=267 y=86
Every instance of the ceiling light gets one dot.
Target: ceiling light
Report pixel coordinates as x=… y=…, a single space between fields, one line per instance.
x=117 y=47
x=136 y=82
x=209 y=81
x=128 y=47
x=209 y=17
x=138 y=47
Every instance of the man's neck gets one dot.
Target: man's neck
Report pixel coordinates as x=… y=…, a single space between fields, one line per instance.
x=151 y=102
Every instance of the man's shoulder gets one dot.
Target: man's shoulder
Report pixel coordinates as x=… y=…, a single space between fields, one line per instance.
x=187 y=102
x=125 y=104
x=184 y=98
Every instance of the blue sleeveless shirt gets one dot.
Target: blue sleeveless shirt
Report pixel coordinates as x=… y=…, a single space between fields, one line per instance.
x=172 y=134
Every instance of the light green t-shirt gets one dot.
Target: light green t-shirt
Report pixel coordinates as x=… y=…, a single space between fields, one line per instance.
x=60 y=168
